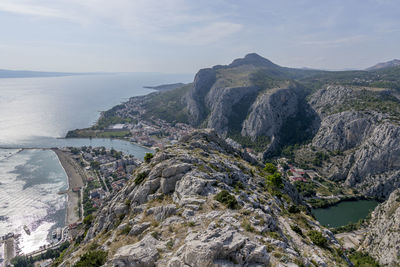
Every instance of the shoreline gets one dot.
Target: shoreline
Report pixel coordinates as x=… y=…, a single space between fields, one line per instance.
x=76 y=178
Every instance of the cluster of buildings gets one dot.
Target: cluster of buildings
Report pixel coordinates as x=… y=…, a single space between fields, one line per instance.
x=107 y=172
x=158 y=133
x=154 y=133
x=295 y=174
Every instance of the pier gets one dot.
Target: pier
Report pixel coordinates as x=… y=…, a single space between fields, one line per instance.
x=7 y=242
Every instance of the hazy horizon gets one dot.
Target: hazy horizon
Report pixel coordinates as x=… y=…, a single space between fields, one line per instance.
x=178 y=36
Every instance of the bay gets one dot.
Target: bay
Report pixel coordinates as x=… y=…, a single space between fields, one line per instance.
x=37 y=113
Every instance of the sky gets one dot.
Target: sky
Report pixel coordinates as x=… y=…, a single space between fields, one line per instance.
x=178 y=36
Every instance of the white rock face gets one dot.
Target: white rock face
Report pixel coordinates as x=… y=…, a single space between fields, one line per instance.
x=141 y=254
x=343 y=131
x=383 y=236
x=215 y=246
x=269 y=111
x=371 y=142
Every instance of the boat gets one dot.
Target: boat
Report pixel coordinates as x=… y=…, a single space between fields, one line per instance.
x=27 y=230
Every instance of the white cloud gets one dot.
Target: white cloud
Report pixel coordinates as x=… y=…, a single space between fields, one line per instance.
x=172 y=21
x=29 y=8
x=207 y=34
x=26 y=9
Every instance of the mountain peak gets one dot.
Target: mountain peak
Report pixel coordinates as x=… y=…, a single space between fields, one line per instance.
x=384 y=65
x=253 y=59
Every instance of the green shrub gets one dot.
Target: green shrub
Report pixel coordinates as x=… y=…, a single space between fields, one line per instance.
x=275 y=180
x=293 y=209
x=306 y=189
x=148 y=157
x=140 y=177
x=296 y=229
x=92 y=258
x=270 y=168
x=126 y=230
x=317 y=238
x=227 y=199
x=88 y=219
x=247 y=226
x=170 y=244
x=156 y=235
x=360 y=259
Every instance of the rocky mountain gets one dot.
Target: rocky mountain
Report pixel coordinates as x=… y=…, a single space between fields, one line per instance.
x=203 y=203
x=269 y=108
x=362 y=123
x=233 y=99
x=383 y=65
x=383 y=236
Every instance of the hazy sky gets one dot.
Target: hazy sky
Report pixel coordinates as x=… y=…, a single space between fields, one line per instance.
x=183 y=36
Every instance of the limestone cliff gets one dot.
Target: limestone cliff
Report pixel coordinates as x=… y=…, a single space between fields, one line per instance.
x=368 y=136
x=383 y=236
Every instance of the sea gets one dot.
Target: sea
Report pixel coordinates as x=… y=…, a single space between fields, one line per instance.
x=35 y=114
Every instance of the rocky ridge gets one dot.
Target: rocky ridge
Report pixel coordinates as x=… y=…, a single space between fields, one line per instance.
x=169 y=216
x=368 y=138
x=383 y=236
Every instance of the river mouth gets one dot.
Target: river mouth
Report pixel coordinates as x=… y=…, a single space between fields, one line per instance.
x=344 y=213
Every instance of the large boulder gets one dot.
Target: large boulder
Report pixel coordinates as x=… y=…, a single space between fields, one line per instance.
x=141 y=254
x=220 y=247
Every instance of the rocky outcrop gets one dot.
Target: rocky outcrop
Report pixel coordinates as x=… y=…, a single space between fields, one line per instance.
x=222 y=101
x=227 y=99
x=146 y=225
x=368 y=140
x=383 y=234
x=269 y=111
x=141 y=254
x=220 y=247
x=202 y=83
x=330 y=96
x=344 y=130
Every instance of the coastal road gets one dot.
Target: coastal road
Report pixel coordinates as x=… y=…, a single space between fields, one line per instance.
x=56 y=245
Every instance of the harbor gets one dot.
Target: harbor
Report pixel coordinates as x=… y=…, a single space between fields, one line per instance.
x=9 y=244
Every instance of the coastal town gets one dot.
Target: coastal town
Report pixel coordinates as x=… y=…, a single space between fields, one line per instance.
x=94 y=175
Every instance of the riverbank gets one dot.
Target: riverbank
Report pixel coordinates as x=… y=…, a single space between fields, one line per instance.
x=76 y=178
x=323 y=203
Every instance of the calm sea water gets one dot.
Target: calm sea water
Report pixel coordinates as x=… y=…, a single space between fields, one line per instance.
x=36 y=112
x=345 y=212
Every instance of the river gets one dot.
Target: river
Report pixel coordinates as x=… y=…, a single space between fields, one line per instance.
x=344 y=213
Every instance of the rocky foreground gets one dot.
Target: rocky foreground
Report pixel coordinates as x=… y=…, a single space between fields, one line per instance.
x=203 y=203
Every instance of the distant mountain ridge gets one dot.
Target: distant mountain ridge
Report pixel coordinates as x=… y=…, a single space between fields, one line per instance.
x=32 y=74
x=384 y=65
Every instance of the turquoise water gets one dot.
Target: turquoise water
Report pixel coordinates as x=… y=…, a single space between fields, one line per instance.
x=35 y=113
x=344 y=213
